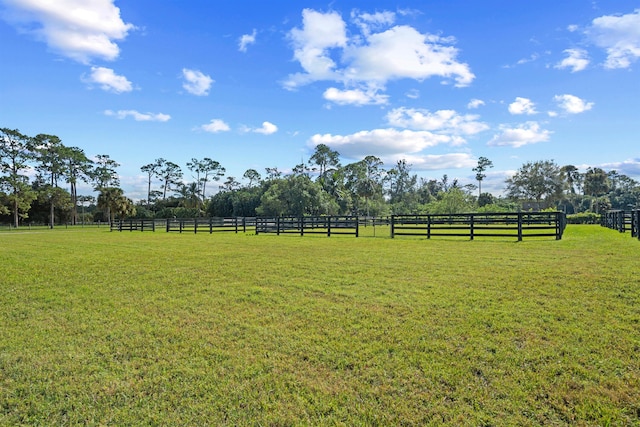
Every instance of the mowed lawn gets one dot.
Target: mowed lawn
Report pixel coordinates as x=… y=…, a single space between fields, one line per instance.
x=132 y=328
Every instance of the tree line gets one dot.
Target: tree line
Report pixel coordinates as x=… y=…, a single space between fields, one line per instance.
x=33 y=171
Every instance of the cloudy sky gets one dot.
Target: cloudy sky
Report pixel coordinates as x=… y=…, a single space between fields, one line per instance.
x=255 y=84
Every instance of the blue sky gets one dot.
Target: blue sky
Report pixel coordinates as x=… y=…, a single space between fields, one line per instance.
x=256 y=84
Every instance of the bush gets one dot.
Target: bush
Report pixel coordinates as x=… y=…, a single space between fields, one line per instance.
x=583 y=218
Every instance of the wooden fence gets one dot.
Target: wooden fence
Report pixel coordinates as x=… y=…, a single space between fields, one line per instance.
x=195 y=225
x=512 y=225
x=327 y=225
x=134 y=225
x=622 y=221
x=516 y=225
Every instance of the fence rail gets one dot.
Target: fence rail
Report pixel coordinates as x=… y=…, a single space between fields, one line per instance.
x=328 y=225
x=517 y=225
x=472 y=225
x=134 y=225
x=180 y=225
x=622 y=221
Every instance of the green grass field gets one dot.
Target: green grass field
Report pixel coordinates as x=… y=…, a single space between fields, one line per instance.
x=133 y=328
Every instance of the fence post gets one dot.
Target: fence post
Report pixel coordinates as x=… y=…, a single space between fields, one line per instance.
x=393 y=224
x=471 y=217
x=519 y=226
x=329 y=226
x=277 y=226
x=428 y=226
x=358 y=227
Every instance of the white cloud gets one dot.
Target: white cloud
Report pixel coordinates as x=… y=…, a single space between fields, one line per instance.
x=78 y=29
x=196 y=83
x=108 y=80
x=403 y=52
x=139 y=117
x=354 y=97
x=267 y=129
x=572 y=104
x=619 y=35
x=320 y=32
x=572 y=28
x=441 y=121
x=522 y=106
x=429 y=162
x=413 y=94
x=246 y=40
x=629 y=167
x=524 y=134
x=215 y=126
x=475 y=103
x=533 y=57
x=577 y=60
x=373 y=57
x=380 y=142
x=372 y=21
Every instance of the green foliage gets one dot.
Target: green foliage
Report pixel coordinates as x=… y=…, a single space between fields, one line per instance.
x=583 y=218
x=540 y=182
x=113 y=201
x=296 y=195
x=454 y=200
x=234 y=330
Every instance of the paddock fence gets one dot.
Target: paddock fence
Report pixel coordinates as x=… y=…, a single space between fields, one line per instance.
x=325 y=225
x=517 y=225
x=186 y=225
x=622 y=221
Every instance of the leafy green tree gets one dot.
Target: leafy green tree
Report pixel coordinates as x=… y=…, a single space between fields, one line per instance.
x=273 y=173
x=570 y=174
x=190 y=196
x=104 y=173
x=454 y=200
x=296 y=195
x=596 y=182
x=230 y=184
x=483 y=164
x=323 y=160
x=539 y=181
x=211 y=171
x=113 y=201
x=402 y=184
x=16 y=150
x=152 y=170
x=485 y=199
x=253 y=176
x=170 y=174
x=77 y=167
x=51 y=156
x=364 y=180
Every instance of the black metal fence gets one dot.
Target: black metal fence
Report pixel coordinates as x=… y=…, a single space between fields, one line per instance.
x=517 y=225
x=326 y=225
x=622 y=221
x=513 y=225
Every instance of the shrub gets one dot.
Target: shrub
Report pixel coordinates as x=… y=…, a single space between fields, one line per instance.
x=583 y=218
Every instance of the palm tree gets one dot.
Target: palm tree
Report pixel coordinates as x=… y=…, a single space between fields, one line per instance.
x=190 y=195
x=113 y=201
